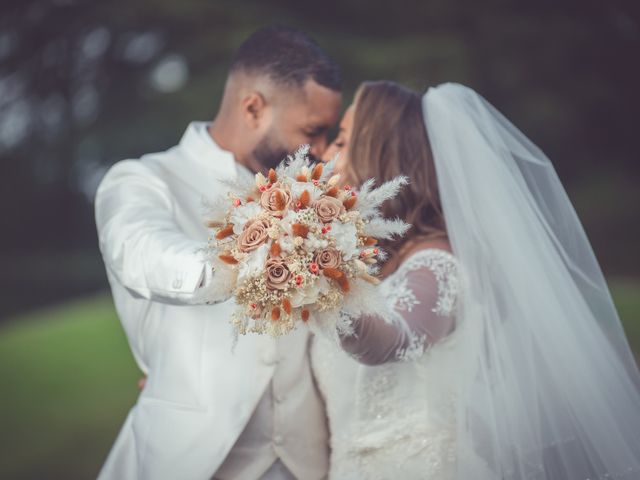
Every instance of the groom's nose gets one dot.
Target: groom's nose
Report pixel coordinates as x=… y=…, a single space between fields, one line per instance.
x=318 y=147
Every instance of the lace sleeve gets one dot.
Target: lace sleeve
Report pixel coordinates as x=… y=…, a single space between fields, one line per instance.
x=421 y=297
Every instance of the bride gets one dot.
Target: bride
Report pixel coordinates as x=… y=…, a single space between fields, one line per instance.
x=500 y=354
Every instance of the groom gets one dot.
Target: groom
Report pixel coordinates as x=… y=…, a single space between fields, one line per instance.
x=207 y=412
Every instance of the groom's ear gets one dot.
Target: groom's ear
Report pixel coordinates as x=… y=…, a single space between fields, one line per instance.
x=253 y=108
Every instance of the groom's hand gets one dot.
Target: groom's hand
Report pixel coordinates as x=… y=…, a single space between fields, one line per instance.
x=142 y=382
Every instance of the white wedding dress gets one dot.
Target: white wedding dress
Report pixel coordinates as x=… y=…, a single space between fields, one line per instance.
x=391 y=411
x=535 y=379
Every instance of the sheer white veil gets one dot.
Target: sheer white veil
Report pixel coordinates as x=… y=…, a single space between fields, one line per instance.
x=548 y=387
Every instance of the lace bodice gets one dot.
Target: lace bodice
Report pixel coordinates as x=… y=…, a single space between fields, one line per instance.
x=420 y=298
x=388 y=397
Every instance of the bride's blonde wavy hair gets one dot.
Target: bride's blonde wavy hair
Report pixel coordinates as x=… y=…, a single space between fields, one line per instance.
x=388 y=139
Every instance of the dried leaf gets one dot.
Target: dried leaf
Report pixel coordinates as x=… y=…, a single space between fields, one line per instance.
x=370 y=278
x=350 y=202
x=305 y=198
x=228 y=258
x=275 y=313
x=224 y=232
x=317 y=172
x=332 y=192
x=333 y=273
x=260 y=180
x=273 y=177
x=344 y=284
x=275 y=249
x=300 y=230
x=286 y=306
x=280 y=201
x=334 y=180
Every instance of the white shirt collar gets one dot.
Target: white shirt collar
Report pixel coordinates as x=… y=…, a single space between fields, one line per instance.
x=199 y=145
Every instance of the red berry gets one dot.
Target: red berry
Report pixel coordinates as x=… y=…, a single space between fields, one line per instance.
x=237 y=202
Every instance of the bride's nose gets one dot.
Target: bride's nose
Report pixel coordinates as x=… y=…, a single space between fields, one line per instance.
x=330 y=152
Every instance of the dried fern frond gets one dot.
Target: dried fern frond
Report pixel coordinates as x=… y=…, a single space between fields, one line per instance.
x=386 y=229
x=370 y=199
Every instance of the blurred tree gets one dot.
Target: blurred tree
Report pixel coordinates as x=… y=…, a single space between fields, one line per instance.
x=84 y=83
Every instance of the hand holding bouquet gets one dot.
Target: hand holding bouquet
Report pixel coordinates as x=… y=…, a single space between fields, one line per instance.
x=300 y=245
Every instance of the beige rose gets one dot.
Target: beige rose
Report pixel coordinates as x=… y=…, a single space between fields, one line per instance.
x=269 y=199
x=253 y=235
x=277 y=273
x=328 y=209
x=328 y=258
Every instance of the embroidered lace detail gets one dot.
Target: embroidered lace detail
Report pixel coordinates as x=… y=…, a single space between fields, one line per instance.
x=374 y=390
x=344 y=324
x=416 y=348
x=400 y=296
x=445 y=268
x=402 y=452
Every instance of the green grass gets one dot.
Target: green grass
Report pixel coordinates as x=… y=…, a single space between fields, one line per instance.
x=68 y=380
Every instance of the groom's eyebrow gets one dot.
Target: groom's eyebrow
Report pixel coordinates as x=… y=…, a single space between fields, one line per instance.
x=317 y=129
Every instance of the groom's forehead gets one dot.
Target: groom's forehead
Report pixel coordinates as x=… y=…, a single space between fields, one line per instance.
x=317 y=102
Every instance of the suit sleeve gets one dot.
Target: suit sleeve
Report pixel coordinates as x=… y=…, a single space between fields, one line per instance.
x=141 y=243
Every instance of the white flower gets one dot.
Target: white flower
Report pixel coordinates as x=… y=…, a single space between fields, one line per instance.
x=345 y=236
x=289 y=219
x=313 y=243
x=273 y=232
x=298 y=187
x=254 y=263
x=242 y=214
x=309 y=295
x=260 y=179
x=333 y=181
x=286 y=243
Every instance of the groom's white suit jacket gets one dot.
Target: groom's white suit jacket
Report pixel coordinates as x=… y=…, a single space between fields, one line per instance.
x=199 y=394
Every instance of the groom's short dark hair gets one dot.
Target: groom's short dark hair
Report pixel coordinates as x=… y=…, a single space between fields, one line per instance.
x=288 y=56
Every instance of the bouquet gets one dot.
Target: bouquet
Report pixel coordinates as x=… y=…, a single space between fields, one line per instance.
x=297 y=245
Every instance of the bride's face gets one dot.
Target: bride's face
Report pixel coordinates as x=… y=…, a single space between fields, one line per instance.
x=341 y=143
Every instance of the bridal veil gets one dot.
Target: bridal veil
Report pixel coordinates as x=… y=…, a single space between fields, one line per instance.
x=547 y=385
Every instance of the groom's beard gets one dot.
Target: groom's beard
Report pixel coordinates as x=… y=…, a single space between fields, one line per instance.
x=269 y=153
